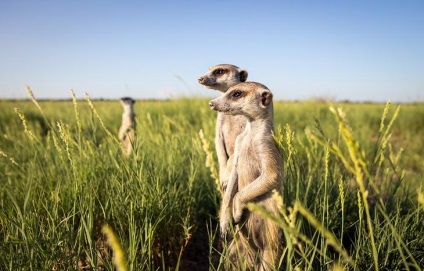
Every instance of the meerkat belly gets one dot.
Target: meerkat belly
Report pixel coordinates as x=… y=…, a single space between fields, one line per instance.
x=258 y=228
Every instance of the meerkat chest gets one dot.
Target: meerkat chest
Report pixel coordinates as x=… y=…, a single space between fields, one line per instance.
x=232 y=126
x=249 y=164
x=127 y=120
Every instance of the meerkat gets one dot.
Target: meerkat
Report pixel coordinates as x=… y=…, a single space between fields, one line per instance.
x=221 y=77
x=256 y=173
x=127 y=129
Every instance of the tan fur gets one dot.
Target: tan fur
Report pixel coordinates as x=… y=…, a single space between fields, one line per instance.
x=221 y=77
x=256 y=173
x=127 y=130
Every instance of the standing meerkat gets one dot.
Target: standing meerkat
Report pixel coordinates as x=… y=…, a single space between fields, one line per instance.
x=127 y=130
x=221 y=77
x=256 y=173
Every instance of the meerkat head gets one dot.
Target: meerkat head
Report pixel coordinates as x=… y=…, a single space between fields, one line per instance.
x=250 y=99
x=223 y=76
x=127 y=103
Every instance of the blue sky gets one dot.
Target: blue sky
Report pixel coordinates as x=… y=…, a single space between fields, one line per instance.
x=344 y=50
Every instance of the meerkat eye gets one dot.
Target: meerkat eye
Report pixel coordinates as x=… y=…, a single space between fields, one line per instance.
x=236 y=94
x=219 y=72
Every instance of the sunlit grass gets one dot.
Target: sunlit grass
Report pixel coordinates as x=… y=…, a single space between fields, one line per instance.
x=352 y=194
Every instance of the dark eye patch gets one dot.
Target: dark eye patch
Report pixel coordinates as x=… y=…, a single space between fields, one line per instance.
x=219 y=71
x=237 y=94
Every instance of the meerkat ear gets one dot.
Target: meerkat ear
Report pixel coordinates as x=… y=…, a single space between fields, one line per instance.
x=243 y=75
x=266 y=97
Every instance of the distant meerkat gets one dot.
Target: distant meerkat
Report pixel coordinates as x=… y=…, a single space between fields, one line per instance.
x=127 y=130
x=256 y=173
x=221 y=77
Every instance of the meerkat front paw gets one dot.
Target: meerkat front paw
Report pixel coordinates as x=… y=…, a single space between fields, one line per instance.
x=225 y=174
x=224 y=186
x=223 y=178
x=238 y=207
x=224 y=221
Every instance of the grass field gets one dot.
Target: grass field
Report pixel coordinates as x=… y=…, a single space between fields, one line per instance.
x=353 y=192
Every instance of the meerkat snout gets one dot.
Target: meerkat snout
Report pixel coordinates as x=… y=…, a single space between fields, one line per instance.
x=217 y=105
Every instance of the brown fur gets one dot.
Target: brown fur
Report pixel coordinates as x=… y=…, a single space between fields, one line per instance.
x=221 y=77
x=256 y=173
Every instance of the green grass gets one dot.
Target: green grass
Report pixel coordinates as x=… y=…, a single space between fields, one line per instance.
x=65 y=176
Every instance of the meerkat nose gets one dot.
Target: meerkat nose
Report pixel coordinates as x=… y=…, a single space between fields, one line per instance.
x=201 y=79
x=212 y=105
